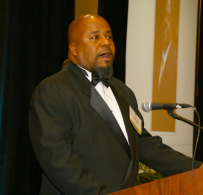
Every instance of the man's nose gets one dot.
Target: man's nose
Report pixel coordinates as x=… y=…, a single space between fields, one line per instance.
x=105 y=41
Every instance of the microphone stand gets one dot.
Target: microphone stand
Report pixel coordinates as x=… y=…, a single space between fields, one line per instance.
x=176 y=116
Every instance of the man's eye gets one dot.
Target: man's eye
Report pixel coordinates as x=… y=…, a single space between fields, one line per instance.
x=109 y=37
x=95 y=37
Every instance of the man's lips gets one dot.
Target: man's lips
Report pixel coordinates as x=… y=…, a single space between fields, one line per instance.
x=105 y=54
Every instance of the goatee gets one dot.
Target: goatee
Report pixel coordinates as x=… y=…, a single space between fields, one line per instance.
x=103 y=72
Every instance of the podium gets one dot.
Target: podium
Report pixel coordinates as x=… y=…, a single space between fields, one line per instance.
x=187 y=183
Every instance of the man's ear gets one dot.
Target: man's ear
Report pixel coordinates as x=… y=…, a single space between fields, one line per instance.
x=72 y=48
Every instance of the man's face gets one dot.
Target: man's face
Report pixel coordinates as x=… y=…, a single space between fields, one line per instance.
x=95 y=46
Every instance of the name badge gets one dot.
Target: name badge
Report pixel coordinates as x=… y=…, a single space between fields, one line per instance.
x=135 y=120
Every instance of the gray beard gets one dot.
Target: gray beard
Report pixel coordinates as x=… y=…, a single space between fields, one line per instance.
x=103 y=72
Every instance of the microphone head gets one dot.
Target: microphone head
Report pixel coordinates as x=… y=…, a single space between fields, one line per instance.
x=146 y=106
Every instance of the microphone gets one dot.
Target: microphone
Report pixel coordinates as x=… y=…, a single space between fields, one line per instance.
x=148 y=106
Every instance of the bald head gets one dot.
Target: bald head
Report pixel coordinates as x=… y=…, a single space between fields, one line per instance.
x=77 y=25
x=90 y=42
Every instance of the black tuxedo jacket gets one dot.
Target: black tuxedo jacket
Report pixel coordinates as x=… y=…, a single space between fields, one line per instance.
x=79 y=144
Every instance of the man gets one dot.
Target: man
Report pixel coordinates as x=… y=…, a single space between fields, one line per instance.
x=80 y=129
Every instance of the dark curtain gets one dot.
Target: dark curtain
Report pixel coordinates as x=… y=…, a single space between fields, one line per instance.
x=199 y=83
x=33 y=45
x=116 y=14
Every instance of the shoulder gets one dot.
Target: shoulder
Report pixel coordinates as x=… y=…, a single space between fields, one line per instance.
x=56 y=85
x=64 y=78
x=55 y=78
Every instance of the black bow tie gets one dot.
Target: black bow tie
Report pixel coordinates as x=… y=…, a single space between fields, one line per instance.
x=96 y=79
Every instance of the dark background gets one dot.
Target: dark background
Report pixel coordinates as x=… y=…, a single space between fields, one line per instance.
x=199 y=82
x=33 y=45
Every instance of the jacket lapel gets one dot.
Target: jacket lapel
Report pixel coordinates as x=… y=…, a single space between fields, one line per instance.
x=132 y=133
x=103 y=110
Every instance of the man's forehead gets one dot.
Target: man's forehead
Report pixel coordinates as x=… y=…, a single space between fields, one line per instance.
x=95 y=26
x=88 y=24
x=96 y=21
x=99 y=31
